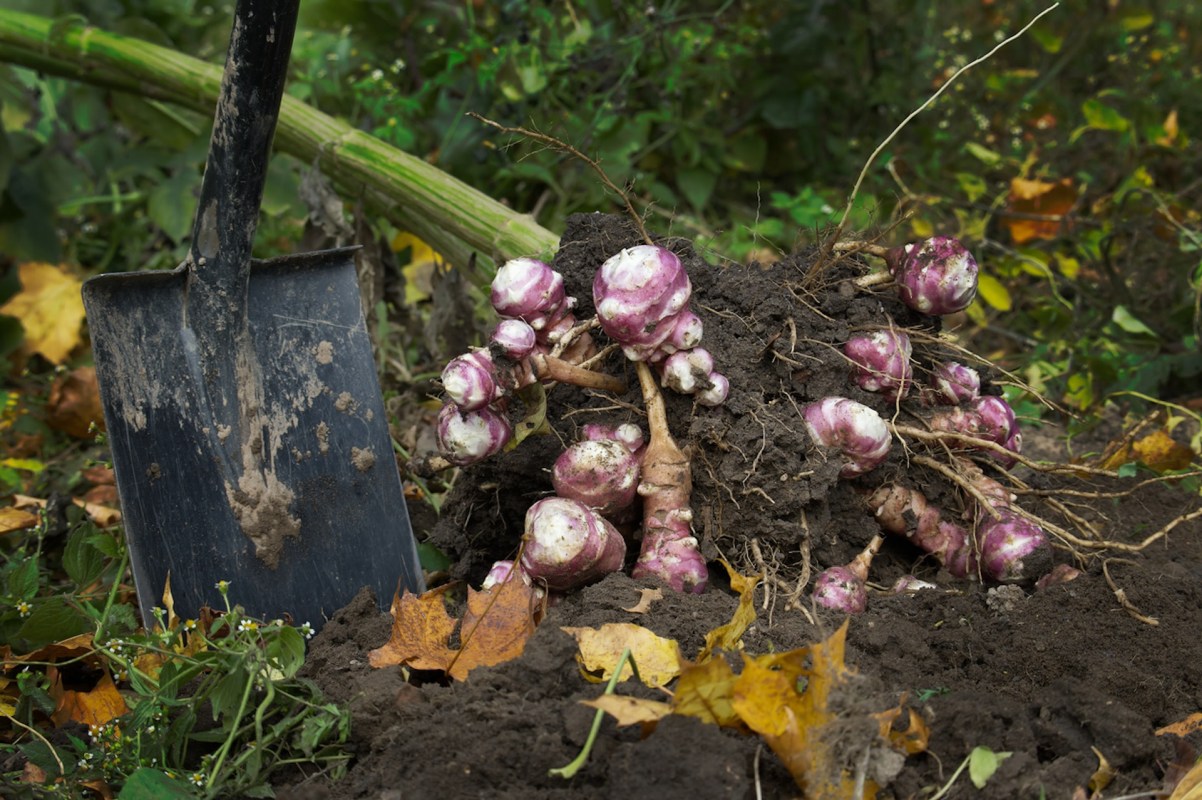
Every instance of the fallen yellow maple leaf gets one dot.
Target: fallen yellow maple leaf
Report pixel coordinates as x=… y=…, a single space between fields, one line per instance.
x=1158 y=451
x=50 y=309
x=630 y=710
x=1190 y=787
x=1183 y=727
x=729 y=636
x=792 y=720
x=95 y=706
x=706 y=691
x=657 y=658
x=16 y=519
x=495 y=628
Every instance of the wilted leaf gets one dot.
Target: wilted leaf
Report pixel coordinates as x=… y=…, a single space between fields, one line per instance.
x=96 y=706
x=1190 y=787
x=1183 y=727
x=913 y=739
x=646 y=598
x=706 y=691
x=982 y=763
x=421 y=632
x=103 y=516
x=50 y=308
x=74 y=403
x=15 y=519
x=657 y=658
x=728 y=636
x=1103 y=775
x=495 y=629
x=1171 y=129
x=630 y=710
x=419 y=269
x=1158 y=451
x=786 y=698
x=1035 y=198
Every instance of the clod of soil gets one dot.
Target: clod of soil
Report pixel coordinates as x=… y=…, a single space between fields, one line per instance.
x=1049 y=675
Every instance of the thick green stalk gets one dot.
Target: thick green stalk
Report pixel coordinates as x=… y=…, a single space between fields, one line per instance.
x=449 y=215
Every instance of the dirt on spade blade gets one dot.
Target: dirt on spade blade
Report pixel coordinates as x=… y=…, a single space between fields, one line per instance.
x=1061 y=678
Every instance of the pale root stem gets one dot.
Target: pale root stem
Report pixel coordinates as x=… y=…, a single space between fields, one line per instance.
x=880 y=251
x=556 y=369
x=670 y=551
x=960 y=480
x=873 y=279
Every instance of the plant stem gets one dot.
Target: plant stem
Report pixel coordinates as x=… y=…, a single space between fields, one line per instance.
x=571 y=769
x=98 y=636
x=452 y=217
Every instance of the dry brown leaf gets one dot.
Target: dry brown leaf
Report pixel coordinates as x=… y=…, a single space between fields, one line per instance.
x=74 y=403
x=646 y=598
x=657 y=658
x=103 y=516
x=100 y=475
x=706 y=691
x=1190 y=787
x=1183 y=727
x=630 y=710
x=495 y=629
x=791 y=720
x=1039 y=199
x=16 y=519
x=1161 y=452
x=96 y=706
x=728 y=637
x=50 y=308
x=76 y=647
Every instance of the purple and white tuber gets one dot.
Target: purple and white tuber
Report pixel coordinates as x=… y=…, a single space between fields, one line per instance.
x=627 y=433
x=845 y=588
x=471 y=380
x=642 y=297
x=955 y=383
x=530 y=290
x=602 y=474
x=568 y=544
x=882 y=362
x=1011 y=548
x=515 y=338
x=465 y=437
x=936 y=276
x=692 y=372
x=853 y=429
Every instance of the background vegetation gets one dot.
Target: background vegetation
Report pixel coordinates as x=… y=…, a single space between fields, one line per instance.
x=1066 y=162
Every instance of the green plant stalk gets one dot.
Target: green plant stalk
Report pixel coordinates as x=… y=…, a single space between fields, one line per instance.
x=570 y=770
x=452 y=217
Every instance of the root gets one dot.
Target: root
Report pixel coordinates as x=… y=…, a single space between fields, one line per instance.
x=1121 y=596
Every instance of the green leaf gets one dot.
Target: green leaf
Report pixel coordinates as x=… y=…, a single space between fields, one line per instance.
x=971 y=184
x=286 y=652
x=982 y=154
x=1129 y=322
x=991 y=290
x=40 y=755
x=52 y=621
x=696 y=185
x=982 y=763
x=152 y=784
x=227 y=695
x=23 y=581
x=1049 y=40
x=6 y=158
x=1102 y=117
x=82 y=562
x=431 y=558
x=172 y=205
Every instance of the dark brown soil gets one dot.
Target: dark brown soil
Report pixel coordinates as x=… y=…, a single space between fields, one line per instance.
x=1056 y=676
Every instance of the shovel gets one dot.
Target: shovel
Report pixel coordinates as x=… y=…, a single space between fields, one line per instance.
x=244 y=414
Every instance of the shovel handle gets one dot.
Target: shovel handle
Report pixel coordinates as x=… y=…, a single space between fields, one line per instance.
x=247 y=109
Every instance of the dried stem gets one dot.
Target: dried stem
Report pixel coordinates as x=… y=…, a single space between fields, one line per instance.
x=1121 y=595
x=572 y=151
x=556 y=369
x=961 y=481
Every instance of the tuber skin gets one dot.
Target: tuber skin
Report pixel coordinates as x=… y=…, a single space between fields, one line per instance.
x=530 y=290
x=852 y=428
x=471 y=381
x=937 y=276
x=670 y=552
x=602 y=474
x=465 y=437
x=881 y=362
x=515 y=338
x=642 y=296
x=692 y=372
x=907 y=512
x=568 y=544
x=954 y=383
x=845 y=588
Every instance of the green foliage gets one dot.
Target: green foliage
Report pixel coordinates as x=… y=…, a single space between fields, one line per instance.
x=215 y=708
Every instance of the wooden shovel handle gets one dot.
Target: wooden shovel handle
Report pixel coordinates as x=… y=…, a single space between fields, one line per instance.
x=247 y=109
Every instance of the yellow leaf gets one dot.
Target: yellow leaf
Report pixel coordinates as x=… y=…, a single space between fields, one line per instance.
x=14 y=519
x=1171 y=129
x=657 y=658
x=991 y=290
x=1183 y=727
x=706 y=691
x=1069 y=266
x=1103 y=775
x=630 y=710
x=418 y=271
x=1162 y=452
x=50 y=309
x=786 y=698
x=96 y=706
x=922 y=228
x=728 y=636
